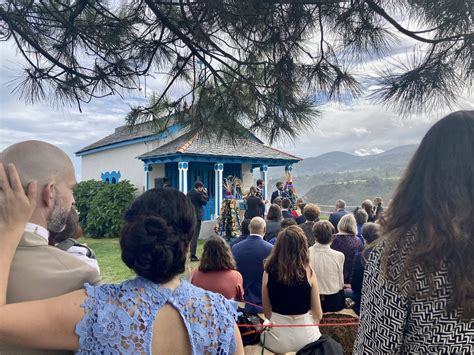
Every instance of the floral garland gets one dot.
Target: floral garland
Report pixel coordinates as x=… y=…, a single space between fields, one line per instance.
x=291 y=190
x=228 y=223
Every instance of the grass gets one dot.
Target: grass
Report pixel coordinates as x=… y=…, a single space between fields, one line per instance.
x=112 y=268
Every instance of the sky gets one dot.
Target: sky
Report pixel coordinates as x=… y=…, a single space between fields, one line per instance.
x=359 y=128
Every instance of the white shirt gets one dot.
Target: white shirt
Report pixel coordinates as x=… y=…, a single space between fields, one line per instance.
x=328 y=266
x=38 y=230
x=81 y=254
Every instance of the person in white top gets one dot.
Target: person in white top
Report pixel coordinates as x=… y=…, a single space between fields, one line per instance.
x=328 y=265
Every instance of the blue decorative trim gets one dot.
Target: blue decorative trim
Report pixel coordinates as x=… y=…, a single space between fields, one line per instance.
x=147 y=187
x=173 y=129
x=256 y=163
x=111 y=177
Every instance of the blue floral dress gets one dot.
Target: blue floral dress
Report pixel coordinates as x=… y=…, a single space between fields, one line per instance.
x=119 y=318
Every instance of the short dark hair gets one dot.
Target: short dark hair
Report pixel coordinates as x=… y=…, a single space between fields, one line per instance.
x=274 y=213
x=360 y=215
x=69 y=231
x=259 y=182
x=285 y=203
x=216 y=256
x=244 y=226
x=323 y=231
x=286 y=222
x=198 y=184
x=371 y=232
x=340 y=203
x=158 y=228
x=279 y=183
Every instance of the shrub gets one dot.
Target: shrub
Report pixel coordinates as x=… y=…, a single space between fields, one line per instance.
x=84 y=192
x=107 y=208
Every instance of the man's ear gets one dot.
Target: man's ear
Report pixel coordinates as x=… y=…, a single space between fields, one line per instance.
x=48 y=195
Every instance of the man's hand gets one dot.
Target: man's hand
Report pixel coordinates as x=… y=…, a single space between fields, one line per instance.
x=16 y=207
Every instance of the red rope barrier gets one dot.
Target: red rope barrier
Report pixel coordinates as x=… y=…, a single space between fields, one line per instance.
x=327 y=319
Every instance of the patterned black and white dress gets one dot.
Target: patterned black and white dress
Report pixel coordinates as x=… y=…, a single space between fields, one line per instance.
x=391 y=323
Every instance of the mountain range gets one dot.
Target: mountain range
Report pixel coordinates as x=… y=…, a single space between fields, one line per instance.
x=327 y=177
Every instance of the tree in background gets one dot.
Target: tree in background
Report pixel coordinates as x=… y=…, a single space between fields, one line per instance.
x=257 y=64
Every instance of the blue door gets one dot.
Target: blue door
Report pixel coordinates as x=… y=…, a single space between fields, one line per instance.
x=203 y=172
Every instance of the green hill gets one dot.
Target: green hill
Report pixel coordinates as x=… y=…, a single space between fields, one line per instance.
x=353 y=192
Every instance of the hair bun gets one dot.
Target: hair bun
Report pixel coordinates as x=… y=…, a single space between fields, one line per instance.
x=156 y=227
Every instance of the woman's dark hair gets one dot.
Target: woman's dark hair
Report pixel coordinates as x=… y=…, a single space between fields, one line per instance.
x=216 y=256
x=289 y=257
x=244 y=226
x=433 y=205
x=285 y=203
x=323 y=232
x=158 y=228
x=368 y=207
x=252 y=191
x=277 y=201
x=274 y=213
x=286 y=222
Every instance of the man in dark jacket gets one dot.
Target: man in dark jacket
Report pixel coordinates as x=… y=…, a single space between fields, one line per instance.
x=335 y=217
x=199 y=198
x=280 y=192
x=285 y=207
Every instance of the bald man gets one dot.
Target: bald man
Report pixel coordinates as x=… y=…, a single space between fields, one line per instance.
x=249 y=255
x=38 y=270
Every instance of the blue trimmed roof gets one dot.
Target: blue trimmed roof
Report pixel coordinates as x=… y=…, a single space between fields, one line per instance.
x=126 y=135
x=198 y=147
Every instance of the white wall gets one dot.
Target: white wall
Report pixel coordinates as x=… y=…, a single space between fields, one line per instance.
x=121 y=159
x=124 y=159
x=157 y=172
x=247 y=177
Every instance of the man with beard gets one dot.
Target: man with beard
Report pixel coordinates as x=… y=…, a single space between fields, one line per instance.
x=66 y=240
x=38 y=270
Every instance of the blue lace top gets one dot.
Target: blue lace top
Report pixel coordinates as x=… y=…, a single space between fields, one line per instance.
x=119 y=318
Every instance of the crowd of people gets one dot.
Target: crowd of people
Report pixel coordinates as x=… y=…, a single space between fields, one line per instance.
x=406 y=269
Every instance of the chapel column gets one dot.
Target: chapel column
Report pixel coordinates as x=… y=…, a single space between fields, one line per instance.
x=147 y=169
x=183 y=177
x=264 y=177
x=218 y=171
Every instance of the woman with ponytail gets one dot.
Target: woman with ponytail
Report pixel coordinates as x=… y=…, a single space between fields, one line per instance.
x=156 y=312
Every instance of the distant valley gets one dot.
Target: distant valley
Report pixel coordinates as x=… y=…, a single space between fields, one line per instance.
x=327 y=177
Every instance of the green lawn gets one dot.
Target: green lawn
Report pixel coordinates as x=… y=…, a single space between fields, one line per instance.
x=112 y=268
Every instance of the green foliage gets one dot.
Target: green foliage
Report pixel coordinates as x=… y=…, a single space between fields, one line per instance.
x=264 y=65
x=83 y=194
x=107 y=207
x=353 y=192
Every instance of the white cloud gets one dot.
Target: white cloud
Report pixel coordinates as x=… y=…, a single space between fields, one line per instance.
x=359 y=131
x=368 y=151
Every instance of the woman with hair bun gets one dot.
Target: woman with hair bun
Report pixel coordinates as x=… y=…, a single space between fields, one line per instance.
x=156 y=312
